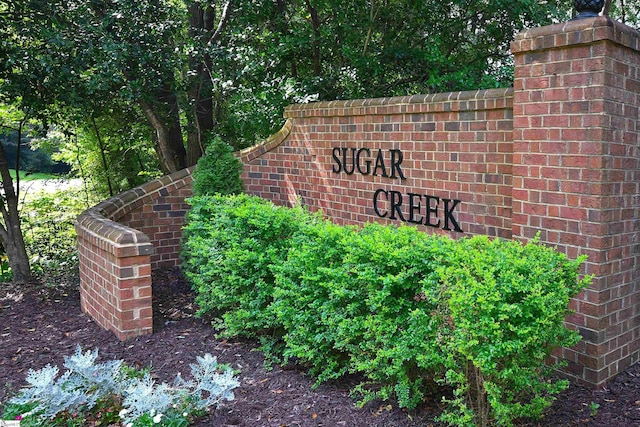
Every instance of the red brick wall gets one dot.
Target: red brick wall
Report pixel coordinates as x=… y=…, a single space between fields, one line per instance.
x=159 y=214
x=557 y=155
x=576 y=175
x=116 y=260
x=454 y=146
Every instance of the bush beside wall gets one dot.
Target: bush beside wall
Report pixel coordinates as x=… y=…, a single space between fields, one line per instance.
x=406 y=310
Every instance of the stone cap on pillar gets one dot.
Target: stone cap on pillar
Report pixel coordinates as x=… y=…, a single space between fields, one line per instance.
x=581 y=31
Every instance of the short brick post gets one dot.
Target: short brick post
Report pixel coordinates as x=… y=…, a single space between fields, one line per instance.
x=115 y=275
x=120 y=241
x=576 y=175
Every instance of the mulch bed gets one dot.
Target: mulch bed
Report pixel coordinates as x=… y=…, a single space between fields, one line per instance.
x=41 y=325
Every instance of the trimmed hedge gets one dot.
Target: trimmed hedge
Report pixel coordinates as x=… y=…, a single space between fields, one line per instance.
x=406 y=310
x=230 y=244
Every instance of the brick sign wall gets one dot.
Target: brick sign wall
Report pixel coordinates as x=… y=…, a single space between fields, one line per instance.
x=441 y=162
x=558 y=155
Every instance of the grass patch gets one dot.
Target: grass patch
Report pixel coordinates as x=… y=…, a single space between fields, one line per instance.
x=32 y=176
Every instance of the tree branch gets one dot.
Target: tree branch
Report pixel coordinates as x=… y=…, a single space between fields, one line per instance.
x=162 y=134
x=226 y=10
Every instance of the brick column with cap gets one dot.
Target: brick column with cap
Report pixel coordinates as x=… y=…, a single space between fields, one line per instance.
x=576 y=175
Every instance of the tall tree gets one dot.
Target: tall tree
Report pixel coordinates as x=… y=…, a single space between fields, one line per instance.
x=153 y=54
x=12 y=119
x=24 y=72
x=282 y=51
x=159 y=51
x=205 y=32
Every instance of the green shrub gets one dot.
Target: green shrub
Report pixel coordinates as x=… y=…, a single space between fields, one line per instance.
x=218 y=171
x=506 y=304
x=230 y=245
x=48 y=225
x=353 y=300
x=406 y=310
x=308 y=283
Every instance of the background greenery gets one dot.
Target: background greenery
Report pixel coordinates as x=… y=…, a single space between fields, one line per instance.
x=124 y=91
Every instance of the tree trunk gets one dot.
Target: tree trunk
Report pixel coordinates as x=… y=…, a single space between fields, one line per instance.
x=168 y=133
x=16 y=253
x=201 y=122
x=103 y=156
x=280 y=25
x=10 y=231
x=315 y=25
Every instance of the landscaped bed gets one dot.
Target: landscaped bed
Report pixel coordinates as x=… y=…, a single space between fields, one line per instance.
x=42 y=325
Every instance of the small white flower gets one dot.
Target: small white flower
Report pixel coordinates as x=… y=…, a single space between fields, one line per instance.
x=152 y=412
x=157 y=418
x=122 y=413
x=184 y=414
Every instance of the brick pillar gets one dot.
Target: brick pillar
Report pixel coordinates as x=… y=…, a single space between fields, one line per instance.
x=119 y=241
x=576 y=175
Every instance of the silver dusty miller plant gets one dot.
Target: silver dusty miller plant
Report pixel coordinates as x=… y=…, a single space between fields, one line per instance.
x=80 y=386
x=210 y=384
x=85 y=383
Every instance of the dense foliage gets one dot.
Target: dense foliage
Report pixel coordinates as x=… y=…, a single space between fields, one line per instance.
x=236 y=252
x=408 y=311
x=32 y=159
x=218 y=171
x=48 y=222
x=277 y=52
x=182 y=69
x=130 y=89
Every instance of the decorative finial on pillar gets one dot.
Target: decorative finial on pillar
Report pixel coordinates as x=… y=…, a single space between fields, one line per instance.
x=587 y=8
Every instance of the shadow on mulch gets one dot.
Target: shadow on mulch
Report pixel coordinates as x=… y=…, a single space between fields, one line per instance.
x=41 y=325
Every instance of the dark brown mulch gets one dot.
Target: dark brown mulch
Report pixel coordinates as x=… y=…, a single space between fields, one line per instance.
x=40 y=325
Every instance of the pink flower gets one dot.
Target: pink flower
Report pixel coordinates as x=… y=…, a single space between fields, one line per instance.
x=18 y=417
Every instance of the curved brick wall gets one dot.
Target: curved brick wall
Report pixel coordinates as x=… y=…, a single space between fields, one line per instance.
x=559 y=155
x=120 y=241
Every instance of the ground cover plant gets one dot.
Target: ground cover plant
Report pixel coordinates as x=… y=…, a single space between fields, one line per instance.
x=30 y=176
x=106 y=393
x=48 y=209
x=410 y=313
x=48 y=223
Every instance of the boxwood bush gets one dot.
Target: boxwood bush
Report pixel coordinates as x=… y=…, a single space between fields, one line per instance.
x=355 y=300
x=407 y=311
x=230 y=246
x=218 y=171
